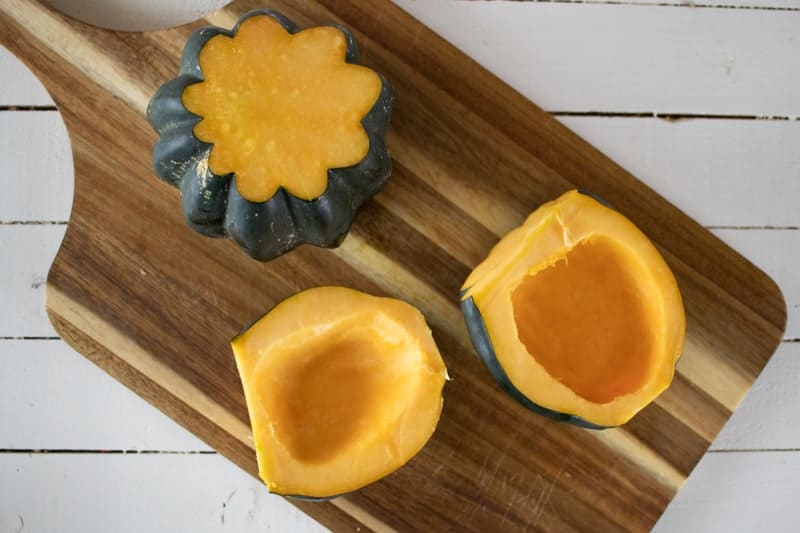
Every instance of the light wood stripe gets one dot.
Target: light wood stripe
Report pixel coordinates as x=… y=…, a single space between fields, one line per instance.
x=622 y=443
x=361 y=515
x=396 y=279
x=711 y=373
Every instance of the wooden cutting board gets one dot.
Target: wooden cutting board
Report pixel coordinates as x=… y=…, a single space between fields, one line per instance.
x=155 y=304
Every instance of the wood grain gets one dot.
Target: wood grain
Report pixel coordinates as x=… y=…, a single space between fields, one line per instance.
x=155 y=304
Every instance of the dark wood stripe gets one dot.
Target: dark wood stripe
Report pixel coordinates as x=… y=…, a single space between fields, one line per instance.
x=681 y=446
x=687 y=401
x=396 y=239
x=437 y=217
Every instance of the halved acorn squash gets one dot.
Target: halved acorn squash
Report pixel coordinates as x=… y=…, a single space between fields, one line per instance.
x=274 y=135
x=342 y=388
x=576 y=314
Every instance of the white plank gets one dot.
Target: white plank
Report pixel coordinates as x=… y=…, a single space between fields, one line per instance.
x=51 y=397
x=41 y=185
x=18 y=85
x=738 y=492
x=26 y=253
x=604 y=57
x=712 y=169
x=776 y=252
x=135 y=493
x=769 y=417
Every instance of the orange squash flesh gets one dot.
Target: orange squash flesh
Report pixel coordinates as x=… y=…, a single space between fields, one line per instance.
x=280 y=108
x=587 y=303
x=583 y=315
x=342 y=387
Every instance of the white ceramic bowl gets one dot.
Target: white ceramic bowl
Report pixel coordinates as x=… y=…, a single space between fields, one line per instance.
x=136 y=15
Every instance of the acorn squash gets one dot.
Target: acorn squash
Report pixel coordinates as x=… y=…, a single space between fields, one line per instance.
x=576 y=314
x=274 y=136
x=342 y=388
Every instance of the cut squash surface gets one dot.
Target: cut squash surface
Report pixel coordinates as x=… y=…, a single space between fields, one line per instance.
x=342 y=388
x=577 y=314
x=588 y=302
x=281 y=109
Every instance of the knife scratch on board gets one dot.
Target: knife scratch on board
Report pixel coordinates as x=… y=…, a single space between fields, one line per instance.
x=544 y=496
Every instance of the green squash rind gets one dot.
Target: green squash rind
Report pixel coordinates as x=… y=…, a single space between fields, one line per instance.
x=212 y=204
x=483 y=345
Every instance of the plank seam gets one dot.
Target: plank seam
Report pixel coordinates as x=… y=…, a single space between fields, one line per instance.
x=67 y=451
x=560 y=112
x=28 y=108
x=709 y=227
x=29 y=338
x=754 y=450
x=33 y=222
x=779 y=228
x=671 y=117
x=687 y=4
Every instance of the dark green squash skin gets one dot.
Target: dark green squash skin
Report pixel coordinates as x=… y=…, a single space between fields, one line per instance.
x=483 y=345
x=212 y=204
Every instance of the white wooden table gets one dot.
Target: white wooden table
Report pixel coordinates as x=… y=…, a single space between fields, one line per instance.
x=699 y=101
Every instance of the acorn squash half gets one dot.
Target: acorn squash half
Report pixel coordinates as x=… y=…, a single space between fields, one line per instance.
x=342 y=388
x=576 y=314
x=274 y=135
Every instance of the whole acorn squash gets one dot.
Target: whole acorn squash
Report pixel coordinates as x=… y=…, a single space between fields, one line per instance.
x=576 y=314
x=274 y=136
